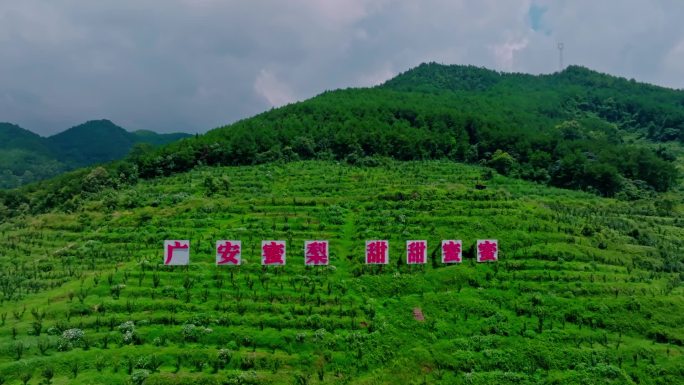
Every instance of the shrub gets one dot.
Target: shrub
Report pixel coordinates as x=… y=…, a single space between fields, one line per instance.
x=139 y=376
x=192 y=333
x=129 y=334
x=73 y=335
x=70 y=338
x=48 y=373
x=223 y=356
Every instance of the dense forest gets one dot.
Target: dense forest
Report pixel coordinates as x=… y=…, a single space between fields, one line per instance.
x=576 y=129
x=27 y=157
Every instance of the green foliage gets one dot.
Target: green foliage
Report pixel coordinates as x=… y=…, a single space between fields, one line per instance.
x=588 y=289
x=502 y=162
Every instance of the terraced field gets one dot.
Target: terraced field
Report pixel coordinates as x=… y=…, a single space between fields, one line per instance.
x=587 y=290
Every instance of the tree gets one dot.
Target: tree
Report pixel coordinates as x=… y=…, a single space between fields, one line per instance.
x=570 y=130
x=502 y=162
x=96 y=180
x=139 y=151
x=48 y=373
x=603 y=177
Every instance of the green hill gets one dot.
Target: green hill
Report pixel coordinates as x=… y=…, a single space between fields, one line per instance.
x=575 y=173
x=587 y=290
x=15 y=137
x=576 y=129
x=28 y=157
x=100 y=141
x=93 y=142
x=25 y=157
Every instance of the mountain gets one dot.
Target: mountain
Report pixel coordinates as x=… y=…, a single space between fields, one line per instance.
x=576 y=129
x=25 y=157
x=28 y=157
x=99 y=141
x=15 y=137
x=96 y=141
x=656 y=112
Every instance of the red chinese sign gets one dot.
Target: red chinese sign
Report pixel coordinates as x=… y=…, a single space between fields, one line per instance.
x=416 y=252
x=487 y=250
x=452 y=251
x=272 y=253
x=176 y=252
x=377 y=252
x=228 y=252
x=316 y=253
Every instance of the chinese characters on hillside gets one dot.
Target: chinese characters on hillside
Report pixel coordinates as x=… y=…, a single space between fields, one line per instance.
x=272 y=253
x=487 y=250
x=377 y=252
x=316 y=253
x=451 y=251
x=176 y=252
x=228 y=253
x=416 y=252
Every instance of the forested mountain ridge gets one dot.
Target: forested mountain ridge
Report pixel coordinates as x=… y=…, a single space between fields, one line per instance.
x=575 y=129
x=657 y=111
x=99 y=141
x=28 y=157
x=15 y=137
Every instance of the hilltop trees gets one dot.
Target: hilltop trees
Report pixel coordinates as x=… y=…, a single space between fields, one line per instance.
x=566 y=129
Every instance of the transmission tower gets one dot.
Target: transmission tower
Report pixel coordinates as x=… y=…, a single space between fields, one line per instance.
x=560 y=56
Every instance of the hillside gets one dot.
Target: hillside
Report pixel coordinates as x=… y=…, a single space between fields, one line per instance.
x=28 y=157
x=588 y=289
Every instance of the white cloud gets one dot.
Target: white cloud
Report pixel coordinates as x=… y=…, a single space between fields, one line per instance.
x=193 y=65
x=505 y=53
x=673 y=63
x=273 y=90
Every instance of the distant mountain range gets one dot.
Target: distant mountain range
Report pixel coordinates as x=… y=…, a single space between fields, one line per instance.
x=26 y=157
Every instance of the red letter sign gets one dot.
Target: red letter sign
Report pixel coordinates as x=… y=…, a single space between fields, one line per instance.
x=452 y=251
x=272 y=253
x=176 y=252
x=377 y=252
x=416 y=252
x=228 y=252
x=316 y=253
x=487 y=250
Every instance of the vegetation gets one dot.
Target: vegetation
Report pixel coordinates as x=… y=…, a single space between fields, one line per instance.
x=588 y=289
x=27 y=157
x=575 y=129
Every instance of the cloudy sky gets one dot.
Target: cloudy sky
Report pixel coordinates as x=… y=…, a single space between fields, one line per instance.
x=192 y=65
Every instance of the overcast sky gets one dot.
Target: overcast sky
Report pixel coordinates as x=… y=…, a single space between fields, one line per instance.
x=192 y=65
